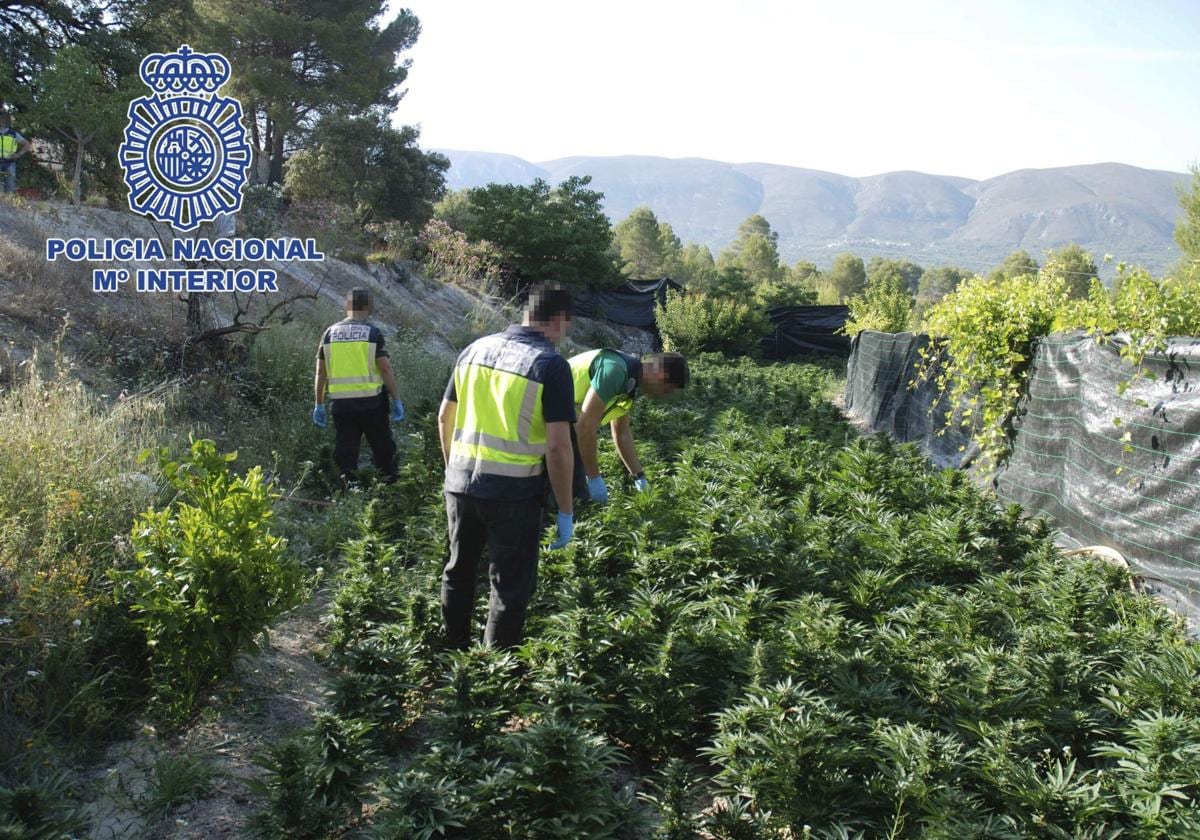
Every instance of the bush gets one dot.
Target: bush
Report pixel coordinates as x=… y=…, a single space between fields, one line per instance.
x=262 y=209
x=208 y=576
x=698 y=323
x=453 y=259
x=771 y=293
x=68 y=466
x=886 y=306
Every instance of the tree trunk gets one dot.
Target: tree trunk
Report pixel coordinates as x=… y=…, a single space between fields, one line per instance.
x=275 y=176
x=76 y=184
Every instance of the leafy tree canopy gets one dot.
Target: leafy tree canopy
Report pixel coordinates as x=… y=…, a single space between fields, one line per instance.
x=546 y=235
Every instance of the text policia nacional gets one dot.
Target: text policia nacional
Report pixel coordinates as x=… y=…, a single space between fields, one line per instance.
x=211 y=276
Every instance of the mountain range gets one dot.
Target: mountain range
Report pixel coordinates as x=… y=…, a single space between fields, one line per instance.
x=1108 y=208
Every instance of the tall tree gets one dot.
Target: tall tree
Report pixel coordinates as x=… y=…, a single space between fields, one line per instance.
x=805 y=272
x=79 y=106
x=908 y=272
x=294 y=60
x=672 y=251
x=1016 y=264
x=845 y=278
x=364 y=163
x=1075 y=266
x=546 y=234
x=1187 y=229
x=755 y=252
x=696 y=266
x=938 y=282
x=639 y=243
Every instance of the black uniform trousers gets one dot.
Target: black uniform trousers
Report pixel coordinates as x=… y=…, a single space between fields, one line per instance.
x=511 y=532
x=373 y=423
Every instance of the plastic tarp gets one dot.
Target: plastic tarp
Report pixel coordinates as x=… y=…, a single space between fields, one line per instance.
x=806 y=330
x=631 y=304
x=1114 y=469
x=878 y=392
x=1114 y=460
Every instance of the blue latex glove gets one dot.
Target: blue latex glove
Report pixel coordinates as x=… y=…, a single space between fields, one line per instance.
x=397 y=411
x=597 y=489
x=319 y=418
x=566 y=529
x=641 y=484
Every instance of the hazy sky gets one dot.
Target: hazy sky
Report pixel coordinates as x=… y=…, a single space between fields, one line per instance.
x=852 y=86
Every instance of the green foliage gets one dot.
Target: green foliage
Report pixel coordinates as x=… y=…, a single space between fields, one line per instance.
x=60 y=510
x=909 y=273
x=545 y=235
x=40 y=807
x=793 y=634
x=329 y=59
x=845 y=278
x=453 y=258
x=1187 y=228
x=988 y=327
x=79 y=107
x=693 y=323
x=788 y=292
x=262 y=210
x=886 y=305
x=364 y=163
x=697 y=270
x=174 y=780
x=805 y=271
x=1076 y=268
x=938 y=282
x=208 y=575
x=1016 y=264
x=647 y=248
x=755 y=252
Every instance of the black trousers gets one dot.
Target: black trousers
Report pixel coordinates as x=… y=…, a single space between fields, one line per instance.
x=579 y=486
x=511 y=531
x=351 y=426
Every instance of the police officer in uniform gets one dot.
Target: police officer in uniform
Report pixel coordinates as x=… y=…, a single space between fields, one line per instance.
x=505 y=429
x=353 y=369
x=12 y=147
x=606 y=382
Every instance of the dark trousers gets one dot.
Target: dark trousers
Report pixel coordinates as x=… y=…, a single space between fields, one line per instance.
x=511 y=531
x=351 y=426
x=579 y=481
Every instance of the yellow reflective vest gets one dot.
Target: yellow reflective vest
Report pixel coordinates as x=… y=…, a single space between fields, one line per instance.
x=350 y=361
x=499 y=429
x=8 y=145
x=581 y=376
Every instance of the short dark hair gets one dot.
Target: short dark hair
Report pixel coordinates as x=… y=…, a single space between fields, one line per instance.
x=676 y=368
x=548 y=300
x=358 y=300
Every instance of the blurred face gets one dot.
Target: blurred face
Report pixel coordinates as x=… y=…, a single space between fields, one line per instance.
x=654 y=380
x=556 y=330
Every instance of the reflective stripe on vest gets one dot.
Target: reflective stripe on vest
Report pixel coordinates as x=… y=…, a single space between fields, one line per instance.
x=581 y=376
x=350 y=362
x=498 y=424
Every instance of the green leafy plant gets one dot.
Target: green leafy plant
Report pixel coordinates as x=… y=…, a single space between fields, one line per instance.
x=208 y=573
x=693 y=323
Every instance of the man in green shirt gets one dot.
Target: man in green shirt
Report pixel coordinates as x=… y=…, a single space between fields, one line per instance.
x=606 y=383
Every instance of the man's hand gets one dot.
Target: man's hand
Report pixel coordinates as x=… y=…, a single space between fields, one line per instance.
x=566 y=530
x=397 y=410
x=598 y=490
x=318 y=415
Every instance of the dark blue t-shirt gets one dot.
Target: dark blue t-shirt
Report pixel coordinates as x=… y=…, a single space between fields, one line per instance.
x=558 y=406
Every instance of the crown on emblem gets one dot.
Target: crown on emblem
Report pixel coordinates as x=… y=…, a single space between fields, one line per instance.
x=184 y=71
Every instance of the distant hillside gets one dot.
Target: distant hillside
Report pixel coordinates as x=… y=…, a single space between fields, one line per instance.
x=1108 y=208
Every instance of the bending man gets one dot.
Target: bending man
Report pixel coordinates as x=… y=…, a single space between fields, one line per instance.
x=606 y=383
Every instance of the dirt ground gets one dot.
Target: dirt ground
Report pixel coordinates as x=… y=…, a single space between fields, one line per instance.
x=272 y=694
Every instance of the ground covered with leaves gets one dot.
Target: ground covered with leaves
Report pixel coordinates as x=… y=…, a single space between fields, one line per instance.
x=796 y=633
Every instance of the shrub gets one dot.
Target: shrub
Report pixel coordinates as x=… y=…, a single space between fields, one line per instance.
x=454 y=259
x=772 y=293
x=699 y=322
x=208 y=573
x=68 y=466
x=886 y=306
x=262 y=210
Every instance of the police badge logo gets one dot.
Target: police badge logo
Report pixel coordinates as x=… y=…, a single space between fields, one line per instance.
x=185 y=154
